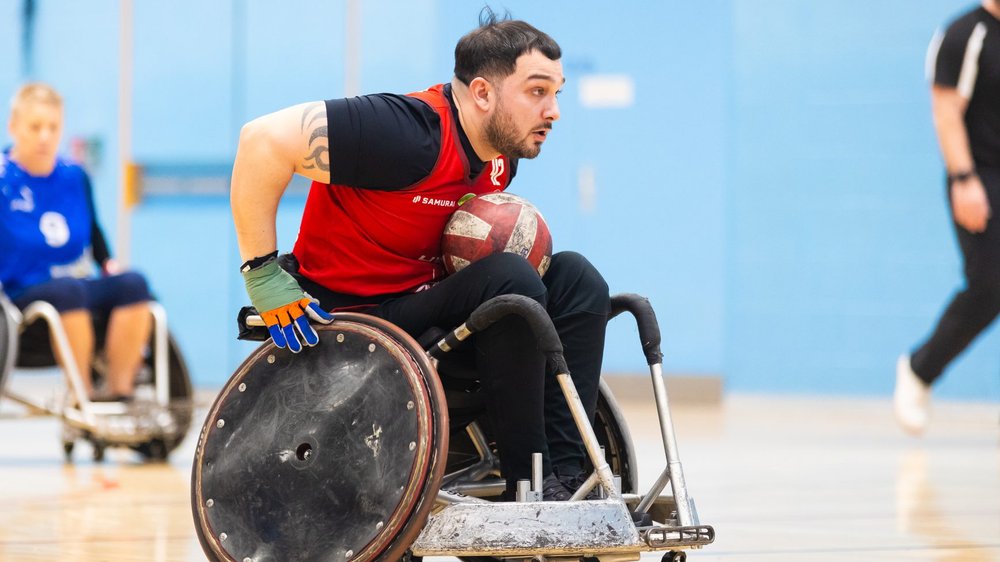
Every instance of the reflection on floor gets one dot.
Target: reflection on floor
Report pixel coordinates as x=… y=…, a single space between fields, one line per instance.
x=780 y=478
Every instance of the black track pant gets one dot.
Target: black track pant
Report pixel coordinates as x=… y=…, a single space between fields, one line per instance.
x=975 y=307
x=526 y=406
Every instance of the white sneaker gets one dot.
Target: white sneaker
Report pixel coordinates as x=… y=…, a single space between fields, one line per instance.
x=911 y=399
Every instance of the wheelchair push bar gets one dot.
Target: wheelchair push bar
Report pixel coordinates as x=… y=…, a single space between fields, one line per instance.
x=551 y=347
x=649 y=336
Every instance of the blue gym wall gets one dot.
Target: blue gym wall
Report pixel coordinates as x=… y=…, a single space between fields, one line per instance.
x=775 y=187
x=839 y=250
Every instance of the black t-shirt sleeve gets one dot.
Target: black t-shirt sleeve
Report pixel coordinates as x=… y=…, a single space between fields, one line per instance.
x=951 y=46
x=382 y=141
x=98 y=244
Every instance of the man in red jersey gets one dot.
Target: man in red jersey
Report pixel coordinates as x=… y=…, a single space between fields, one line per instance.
x=388 y=171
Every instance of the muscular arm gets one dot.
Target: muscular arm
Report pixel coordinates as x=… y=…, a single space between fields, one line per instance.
x=271 y=149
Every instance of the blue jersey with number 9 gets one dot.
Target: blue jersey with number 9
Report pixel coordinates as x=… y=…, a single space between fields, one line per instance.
x=45 y=225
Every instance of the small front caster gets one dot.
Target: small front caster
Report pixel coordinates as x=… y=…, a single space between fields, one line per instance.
x=99 y=452
x=155 y=450
x=674 y=556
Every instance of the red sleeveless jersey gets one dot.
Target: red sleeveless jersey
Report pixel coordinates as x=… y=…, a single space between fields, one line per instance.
x=366 y=242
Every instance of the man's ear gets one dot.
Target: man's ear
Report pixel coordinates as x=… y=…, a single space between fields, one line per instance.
x=482 y=93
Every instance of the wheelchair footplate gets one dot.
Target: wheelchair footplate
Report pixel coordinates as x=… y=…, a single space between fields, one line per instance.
x=586 y=528
x=603 y=528
x=145 y=426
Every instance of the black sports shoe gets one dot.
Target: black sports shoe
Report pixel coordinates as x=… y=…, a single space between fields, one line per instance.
x=573 y=481
x=113 y=398
x=641 y=519
x=554 y=490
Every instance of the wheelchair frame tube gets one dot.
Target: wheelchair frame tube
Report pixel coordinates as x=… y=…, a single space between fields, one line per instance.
x=71 y=416
x=649 y=337
x=161 y=369
x=685 y=517
x=586 y=487
x=601 y=466
x=487 y=466
x=65 y=354
x=647 y=501
x=450 y=341
x=13 y=322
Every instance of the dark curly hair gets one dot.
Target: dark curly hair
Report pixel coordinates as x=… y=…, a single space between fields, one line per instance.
x=492 y=49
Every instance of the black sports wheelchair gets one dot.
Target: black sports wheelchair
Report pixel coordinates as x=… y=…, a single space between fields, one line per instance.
x=372 y=447
x=153 y=424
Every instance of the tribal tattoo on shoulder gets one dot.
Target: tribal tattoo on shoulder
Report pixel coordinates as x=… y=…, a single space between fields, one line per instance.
x=314 y=121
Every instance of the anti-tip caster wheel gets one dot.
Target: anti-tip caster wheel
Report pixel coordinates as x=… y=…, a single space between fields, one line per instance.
x=68 y=451
x=674 y=556
x=154 y=451
x=99 y=452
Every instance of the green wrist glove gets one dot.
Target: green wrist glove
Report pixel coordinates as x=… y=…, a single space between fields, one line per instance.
x=285 y=308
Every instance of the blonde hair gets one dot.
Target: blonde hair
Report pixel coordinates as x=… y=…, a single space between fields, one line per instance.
x=35 y=92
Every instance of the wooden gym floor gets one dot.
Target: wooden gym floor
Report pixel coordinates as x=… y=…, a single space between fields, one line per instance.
x=780 y=479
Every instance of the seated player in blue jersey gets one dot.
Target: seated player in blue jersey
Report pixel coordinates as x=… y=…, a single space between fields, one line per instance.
x=50 y=241
x=388 y=172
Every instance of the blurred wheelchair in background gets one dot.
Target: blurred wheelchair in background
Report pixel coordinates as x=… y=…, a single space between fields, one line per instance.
x=372 y=446
x=153 y=424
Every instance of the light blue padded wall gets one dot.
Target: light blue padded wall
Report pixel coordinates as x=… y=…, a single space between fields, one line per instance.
x=839 y=250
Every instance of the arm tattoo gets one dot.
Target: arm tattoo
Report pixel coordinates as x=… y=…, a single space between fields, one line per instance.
x=314 y=121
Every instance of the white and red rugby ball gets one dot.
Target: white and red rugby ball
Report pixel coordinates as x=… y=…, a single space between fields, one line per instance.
x=492 y=223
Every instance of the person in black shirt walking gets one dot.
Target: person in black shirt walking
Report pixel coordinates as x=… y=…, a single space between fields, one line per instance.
x=963 y=65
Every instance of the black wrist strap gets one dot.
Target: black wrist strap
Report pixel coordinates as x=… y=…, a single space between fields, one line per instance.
x=254 y=263
x=961 y=176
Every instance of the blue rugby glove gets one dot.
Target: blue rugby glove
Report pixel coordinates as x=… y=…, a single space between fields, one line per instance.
x=285 y=308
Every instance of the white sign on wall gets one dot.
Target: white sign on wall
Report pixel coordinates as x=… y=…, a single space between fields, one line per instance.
x=607 y=91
